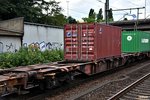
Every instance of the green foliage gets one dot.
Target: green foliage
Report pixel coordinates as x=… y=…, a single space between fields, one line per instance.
x=93 y=17
x=99 y=15
x=59 y=20
x=92 y=13
x=29 y=56
x=71 y=20
x=110 y=15
x=38 y=11
x=89 y=20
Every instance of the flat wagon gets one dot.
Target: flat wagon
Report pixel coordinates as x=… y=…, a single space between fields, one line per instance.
x=89 y=49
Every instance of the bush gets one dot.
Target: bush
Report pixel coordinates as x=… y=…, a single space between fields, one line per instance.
x=29 y=56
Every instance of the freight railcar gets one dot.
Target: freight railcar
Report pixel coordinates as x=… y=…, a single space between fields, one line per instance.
x=94 y=42
x=136 y=43
x=89 y=49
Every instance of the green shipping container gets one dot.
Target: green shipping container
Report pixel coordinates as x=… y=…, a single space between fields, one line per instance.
x=135 y=41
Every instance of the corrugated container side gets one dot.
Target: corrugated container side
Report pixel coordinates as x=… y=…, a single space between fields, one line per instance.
x=71 y=42
x=108 y=41
x=128 y=45
x=87 y=37
x=135 y=41
x=144 y=42
x=79 y=41
x=86 y=42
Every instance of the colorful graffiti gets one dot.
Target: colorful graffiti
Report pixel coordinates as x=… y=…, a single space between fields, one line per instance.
x=43 y=45
x=11 y=47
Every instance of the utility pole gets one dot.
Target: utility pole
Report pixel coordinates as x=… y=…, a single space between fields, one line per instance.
x=106 y=7
x=67 y=8
x=145 y=10
x=138 y=13
x=106 y=11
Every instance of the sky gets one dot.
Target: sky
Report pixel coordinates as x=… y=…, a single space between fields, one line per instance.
x=80 y=8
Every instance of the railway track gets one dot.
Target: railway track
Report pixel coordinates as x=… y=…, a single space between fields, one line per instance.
x=108 y=90
x=136 y=91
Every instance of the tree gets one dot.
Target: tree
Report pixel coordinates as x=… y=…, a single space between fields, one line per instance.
x=91 y=13
x=88 y=20
x=110 y=15
x=60 y=19
x=5 y=10
x=91 y=18
x=18 y=8
x=71 y=20
x=39 y=11
x=99 y=15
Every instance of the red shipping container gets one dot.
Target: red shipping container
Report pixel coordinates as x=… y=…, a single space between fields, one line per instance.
x=90 y=42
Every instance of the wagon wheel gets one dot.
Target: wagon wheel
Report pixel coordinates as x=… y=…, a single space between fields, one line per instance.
x=42 y=85
x=116 y=63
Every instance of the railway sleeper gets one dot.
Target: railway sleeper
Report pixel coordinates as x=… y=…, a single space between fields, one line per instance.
x=141 y=89
x=125 y=97
x=147 y=81
x=129 y=95
x=144 y=85
x=140 y=93
x=133 y=94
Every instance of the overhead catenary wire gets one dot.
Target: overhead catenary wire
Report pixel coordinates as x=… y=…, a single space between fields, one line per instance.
x=114 y=7
x=148 y=1
x=133 y=3
x=90 y=2
x=86 y=12
x=76 y=11
x=110 y=5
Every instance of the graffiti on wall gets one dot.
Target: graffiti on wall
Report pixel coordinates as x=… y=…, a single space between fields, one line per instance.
x=43 y=45
x=10 y=47
x=1 y=47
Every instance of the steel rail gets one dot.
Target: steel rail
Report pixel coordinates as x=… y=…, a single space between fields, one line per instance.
x=128 y=88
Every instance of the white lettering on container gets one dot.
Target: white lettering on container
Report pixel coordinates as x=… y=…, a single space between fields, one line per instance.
x=144 y=40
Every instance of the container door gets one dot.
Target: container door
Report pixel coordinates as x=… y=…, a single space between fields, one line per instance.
x=87 y=42
x=71 y=42
x=130 y=41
